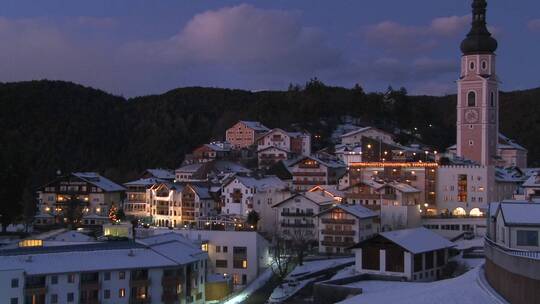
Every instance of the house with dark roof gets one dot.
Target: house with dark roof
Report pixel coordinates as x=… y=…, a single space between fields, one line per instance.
x=416 y=254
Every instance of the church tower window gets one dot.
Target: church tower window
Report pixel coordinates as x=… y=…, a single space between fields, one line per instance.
x=471 y=99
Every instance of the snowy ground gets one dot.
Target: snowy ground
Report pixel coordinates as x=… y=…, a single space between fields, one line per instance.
x=465 y=289
x=466 y=244
x=251 y=288
x=314 y=266
x=295 y=281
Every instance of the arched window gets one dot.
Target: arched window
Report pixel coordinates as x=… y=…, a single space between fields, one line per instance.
x=492 y=99
x=471 y=99
x=459 y=212
x=476 y=212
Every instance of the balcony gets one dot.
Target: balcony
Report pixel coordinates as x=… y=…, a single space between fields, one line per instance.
x=146 y=300
x=170 y=298
x=139 y=278
x=338 y=244
x=338 y=221
x=89 y=301
x=309 y=174
x=35 y=286
x=298 y=225
x=297 y=214
x=172 y=280
x=338 y=232
x=371 y=196
x=309 y=183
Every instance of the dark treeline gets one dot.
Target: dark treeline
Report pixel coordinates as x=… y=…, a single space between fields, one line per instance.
x=47 y=126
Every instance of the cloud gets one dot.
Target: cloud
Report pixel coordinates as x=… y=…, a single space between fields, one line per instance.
x=246 y=38
x=396 y=37
x=240 y=47
x=534 y=25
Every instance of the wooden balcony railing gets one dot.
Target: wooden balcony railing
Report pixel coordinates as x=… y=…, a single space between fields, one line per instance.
x=338 y=221
x=338 y=232
x=298 y=225
x=338 y=244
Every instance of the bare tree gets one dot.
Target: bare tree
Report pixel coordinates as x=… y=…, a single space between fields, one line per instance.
x=301 y=241
x=281 y=260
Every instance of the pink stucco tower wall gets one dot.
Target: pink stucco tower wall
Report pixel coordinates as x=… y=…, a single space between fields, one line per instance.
x=478 y=93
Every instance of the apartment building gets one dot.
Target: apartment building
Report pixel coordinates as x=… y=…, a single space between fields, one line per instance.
x=277 y=144
x=79 y=198
x=242 y=194
x=296 y=214
x=242 y=255
x=244 y=133
x=110 y=273
x=135 y=204
x=342 y=226
x=309 y=171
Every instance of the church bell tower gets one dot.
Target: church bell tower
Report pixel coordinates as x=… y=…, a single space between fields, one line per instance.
x=478 y=93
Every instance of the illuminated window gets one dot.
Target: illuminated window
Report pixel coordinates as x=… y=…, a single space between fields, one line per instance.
x=244 y=264
x=462 y=188
x=459 y=212
x=204 y=247
x=476 y=212
x=121 y=292
x=31 y=243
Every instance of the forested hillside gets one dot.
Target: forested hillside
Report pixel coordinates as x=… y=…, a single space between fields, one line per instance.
x=47 y=126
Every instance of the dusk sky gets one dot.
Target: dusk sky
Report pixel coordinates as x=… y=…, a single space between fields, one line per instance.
x=135 y=47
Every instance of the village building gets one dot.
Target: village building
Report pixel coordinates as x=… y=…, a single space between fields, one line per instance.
x=415 y=254
x=79 y=198
x=244 y=133
x=243 y=194
x=121 y=272
x=309 y=171
x=296 y=214
x=277 y=144
x=515 y=225
x=212 y=170
x=342 y=226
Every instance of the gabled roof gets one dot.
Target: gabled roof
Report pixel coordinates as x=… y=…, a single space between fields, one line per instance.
x=273 y=147
x=331 y=189
x=532 y=182
x=362 y=130
x=326 y=163
x=202 y=191
x=255 y=125
x=261 y=184
x=402 y=187
x=415 y=240
x=520 y=213
x=357 y=211
x=315 y=198
x=99 y=181
x=144 y=182
x=161 y=173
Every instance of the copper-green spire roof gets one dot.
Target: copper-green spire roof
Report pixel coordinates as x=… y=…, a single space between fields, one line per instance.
x=479 y=40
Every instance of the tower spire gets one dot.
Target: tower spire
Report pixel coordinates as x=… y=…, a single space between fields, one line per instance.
x=479 y=40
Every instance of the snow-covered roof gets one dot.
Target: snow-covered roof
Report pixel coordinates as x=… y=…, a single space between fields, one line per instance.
x=315 y=198
x=402 y=187
x=228 y=167
x=99 y=181
x=509 y=175
x=507 y=143
x=332 y=189
x=354 y=132
x=191 y=168
x=261 y=184
x=255 y=125
x=417 y=240
x=273 y=148
x=328 y=163
x=161 y=173
x=144 y=182
x=98 y=257
x=520 y=213
x=71 y=236
x=358 y=211
x=532 y=182
x=202 y=191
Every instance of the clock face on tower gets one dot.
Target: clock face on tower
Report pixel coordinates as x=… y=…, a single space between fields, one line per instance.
x=471 y=116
